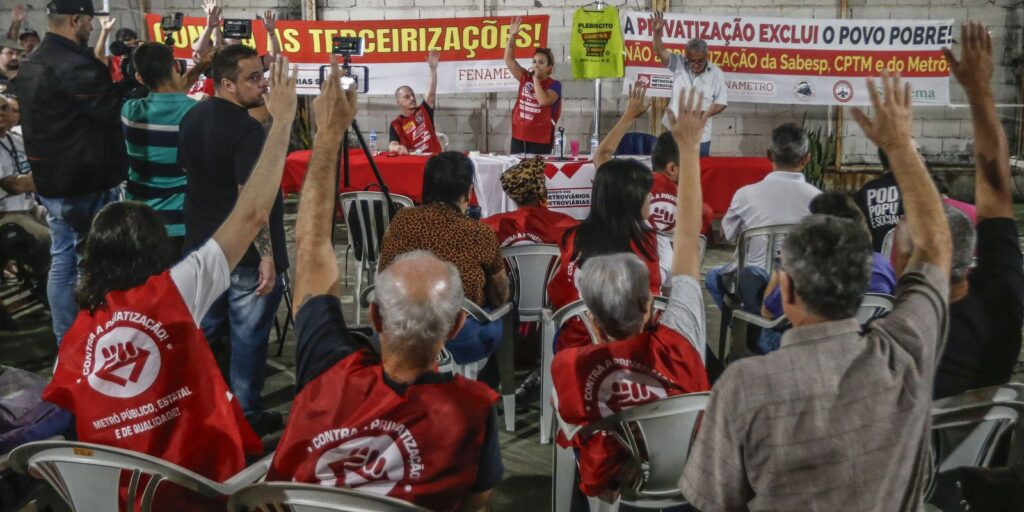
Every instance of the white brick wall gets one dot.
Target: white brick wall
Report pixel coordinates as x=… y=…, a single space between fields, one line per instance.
x=945 y=133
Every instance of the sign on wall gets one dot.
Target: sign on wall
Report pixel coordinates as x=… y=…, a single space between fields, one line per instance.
x=472 y=49
x=796 y=61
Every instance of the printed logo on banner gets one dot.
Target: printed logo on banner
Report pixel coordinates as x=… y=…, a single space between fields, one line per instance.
x=652 y=81
x=369 y=463
x=128 y=361
x=758 y=88
x=484 y=78
x=803 y=91
x=623 y=388
x=842 y=91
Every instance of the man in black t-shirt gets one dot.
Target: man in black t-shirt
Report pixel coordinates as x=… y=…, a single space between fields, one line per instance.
x=880 y=201
x=218 y=145
x=986 y=305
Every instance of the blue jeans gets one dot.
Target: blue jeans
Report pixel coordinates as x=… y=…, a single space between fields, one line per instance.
x=69 y=219
x=750 y=283
x=474 y=341
x=705 y=148
x=248 y=319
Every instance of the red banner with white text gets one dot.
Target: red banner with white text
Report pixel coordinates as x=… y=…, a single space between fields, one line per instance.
x=395 y=51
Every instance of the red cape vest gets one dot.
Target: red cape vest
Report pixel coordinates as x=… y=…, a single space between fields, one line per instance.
x=596 y=381
x=530 y=121
x=529 y=225
x=664 y=204
x=348 y=428
x=138 y=374
x=562 y=289
x=416 y=132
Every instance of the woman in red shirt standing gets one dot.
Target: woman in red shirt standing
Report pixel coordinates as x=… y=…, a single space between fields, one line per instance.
x=538 y=105
x=617 y=222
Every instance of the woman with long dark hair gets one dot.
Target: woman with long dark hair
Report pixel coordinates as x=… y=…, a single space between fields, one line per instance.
x=617 y=222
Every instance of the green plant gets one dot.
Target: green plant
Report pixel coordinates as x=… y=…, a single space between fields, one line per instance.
x=822 y=147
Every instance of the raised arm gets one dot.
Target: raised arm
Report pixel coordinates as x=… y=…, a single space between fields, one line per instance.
x=993 y=189
x=256 y=199
x=270 y=23
x=663 y=54
x=635 y=107
x=687 y=130
x=890 y=130
x=316 y=267
x=106 y=25
x=204 y=43
x=432 y=60
x=17 y=16
x=510 y=49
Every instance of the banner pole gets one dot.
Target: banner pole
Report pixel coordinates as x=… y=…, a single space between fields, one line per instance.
x=597 y=95
x=840 y=112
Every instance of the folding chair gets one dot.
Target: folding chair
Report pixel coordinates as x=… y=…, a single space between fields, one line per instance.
x=368 y=217
x=657 y=436
x=575 y=309
x=530 y=267
x=282 y=330
x=88 y=476
x=773 y=237
x=280 y=496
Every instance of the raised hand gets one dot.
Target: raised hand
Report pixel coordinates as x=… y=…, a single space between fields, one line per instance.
x=334 y=108
x=688 y=125
x=659 y=22
x=513 y=29
x=212 y=12
x=269 y=20
x=107 y=23
x=637 y=104
x=892 y=124
x=281 y=101
x=18 y=13
x=433 y=58
x=974 y=68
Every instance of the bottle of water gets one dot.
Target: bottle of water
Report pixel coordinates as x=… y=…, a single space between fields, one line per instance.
x=593 y=145
x=373 y=142
x=556 y=149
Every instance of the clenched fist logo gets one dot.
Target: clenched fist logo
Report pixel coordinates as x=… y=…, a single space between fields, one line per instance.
x=372 y=463
x=126 y=362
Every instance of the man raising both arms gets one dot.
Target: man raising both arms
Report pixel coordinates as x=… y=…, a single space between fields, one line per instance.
x=413 y=130
x=539 y=103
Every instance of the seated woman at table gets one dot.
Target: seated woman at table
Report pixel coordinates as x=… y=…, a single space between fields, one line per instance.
x=532 y=222
x=440 y=225
x=617 y=222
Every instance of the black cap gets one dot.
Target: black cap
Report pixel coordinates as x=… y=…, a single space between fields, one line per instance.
x=10 y=43
x=28 y=32
x=72 y=7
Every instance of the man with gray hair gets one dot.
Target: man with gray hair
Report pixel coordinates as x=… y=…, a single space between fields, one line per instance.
x=388 y=422
x=987 y=302
x=839 y=416
x=692 y=70
x=782 y=197
x=635 y=361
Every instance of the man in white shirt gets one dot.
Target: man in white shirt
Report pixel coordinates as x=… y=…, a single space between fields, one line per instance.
x=17 y=203
x=693 y=70
x=782 y=197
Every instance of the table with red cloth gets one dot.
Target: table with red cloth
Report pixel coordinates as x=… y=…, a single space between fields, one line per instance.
x=720 y=178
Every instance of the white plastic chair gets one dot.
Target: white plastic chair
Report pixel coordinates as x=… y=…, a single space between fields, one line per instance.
x=887 y=244
x=443 y=139
x=657 y=436
x=281 y=496
x=88 y=476
x=367 y=211
x=702 y=243
x=530 y=268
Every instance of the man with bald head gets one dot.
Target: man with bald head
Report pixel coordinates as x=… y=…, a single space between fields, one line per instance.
x=413 y=130
x=388 y=422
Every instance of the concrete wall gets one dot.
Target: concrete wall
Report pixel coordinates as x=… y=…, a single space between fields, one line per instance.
x=943 y=132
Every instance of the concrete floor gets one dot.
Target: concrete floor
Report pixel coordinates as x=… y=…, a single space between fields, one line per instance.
x=528 y=464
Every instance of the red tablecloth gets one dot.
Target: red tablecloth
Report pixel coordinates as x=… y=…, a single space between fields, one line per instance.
x=722 y=176
x=402 y=174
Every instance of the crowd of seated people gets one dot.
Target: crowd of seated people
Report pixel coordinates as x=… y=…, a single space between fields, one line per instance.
x=832 y=415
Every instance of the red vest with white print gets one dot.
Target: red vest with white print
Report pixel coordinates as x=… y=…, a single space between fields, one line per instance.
x=530 y=121
x=416 y=132
x=348 y=428
x=529 y=225
x=138 y=374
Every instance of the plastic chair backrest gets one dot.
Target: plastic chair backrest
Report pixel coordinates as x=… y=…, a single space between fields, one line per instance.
x=280 y=496
x=887 y=244
x=368 y=218
x=530 y=268
x=88 y=476
x=636 y=143
x=874 y=305
x=754 y=241
x=985 y=426
x=577 y=309
x=702 y=242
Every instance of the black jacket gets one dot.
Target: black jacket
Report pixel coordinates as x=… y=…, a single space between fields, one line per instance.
x=71 y=120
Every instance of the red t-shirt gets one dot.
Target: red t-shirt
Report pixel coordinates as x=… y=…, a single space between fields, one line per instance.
x=664 y=205
x=416 y=132
x=530 y=121
x=203 y=85
x=562 y=289
x=596 y=381
x=529 y=225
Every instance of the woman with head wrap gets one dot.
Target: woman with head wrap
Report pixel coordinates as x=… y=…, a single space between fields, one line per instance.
x=532 y=222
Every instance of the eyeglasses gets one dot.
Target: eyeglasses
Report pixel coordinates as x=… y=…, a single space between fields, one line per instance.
x=697 y=61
